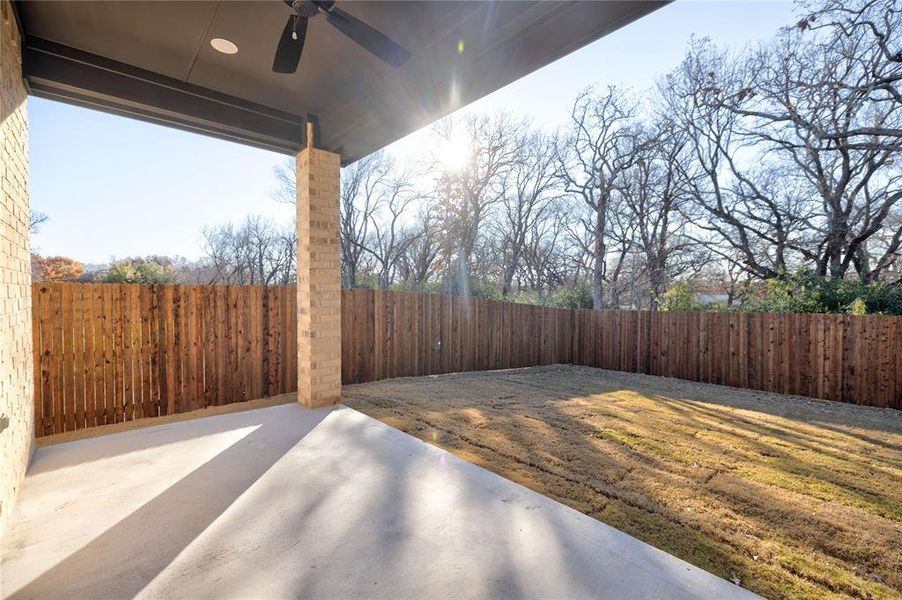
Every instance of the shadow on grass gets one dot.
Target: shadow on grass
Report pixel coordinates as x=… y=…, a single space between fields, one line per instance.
x=780 y=493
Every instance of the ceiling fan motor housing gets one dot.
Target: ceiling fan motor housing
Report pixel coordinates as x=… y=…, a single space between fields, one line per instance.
x=291 y=42
x=305 y=8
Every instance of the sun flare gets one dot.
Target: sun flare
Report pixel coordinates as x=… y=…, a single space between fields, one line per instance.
x=454 y=153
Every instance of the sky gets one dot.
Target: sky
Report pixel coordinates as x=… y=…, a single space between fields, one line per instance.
x=115 y=187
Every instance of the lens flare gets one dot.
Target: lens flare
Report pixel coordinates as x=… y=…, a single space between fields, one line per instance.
x=454 y=154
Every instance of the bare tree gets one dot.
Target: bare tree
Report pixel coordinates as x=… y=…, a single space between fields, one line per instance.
x=362 y=185
x=864 y=32
x=620 y=272
x=794 y=149
x=256 y=252
x=285 y=173
x=546 y=261
x=466 y=196
x=530 y=190
x=743 y=211
x=36 y=218
x=813 y=105
x=417 y=264
x=598 y=148
x=654 y=200
x=579 y=235
x=390 y=240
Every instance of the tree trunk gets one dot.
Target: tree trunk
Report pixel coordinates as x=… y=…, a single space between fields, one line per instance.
x=509 y=271
x=598 y=252
x=656 y=281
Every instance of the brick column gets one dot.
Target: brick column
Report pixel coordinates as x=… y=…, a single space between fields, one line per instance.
x=16 y=371
x=319 y=278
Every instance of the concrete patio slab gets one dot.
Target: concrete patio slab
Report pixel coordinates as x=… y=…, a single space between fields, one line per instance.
x=288 y=502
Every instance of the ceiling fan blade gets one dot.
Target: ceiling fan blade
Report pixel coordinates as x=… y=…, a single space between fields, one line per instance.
x=372 y=39
x=288 y=52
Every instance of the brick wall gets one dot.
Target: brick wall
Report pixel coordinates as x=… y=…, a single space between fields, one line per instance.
x=319 y=279
x=16 y=389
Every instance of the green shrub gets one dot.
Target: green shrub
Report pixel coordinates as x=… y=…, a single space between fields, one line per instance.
x=858 y=307
x=525 y=297
x=150 y=270
x=578 y=296
x=806 y=292
x=679 y=297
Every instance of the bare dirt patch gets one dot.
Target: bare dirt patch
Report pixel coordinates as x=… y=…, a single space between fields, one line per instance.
x=790 y=497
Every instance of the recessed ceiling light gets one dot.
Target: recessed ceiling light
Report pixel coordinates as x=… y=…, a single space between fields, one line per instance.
x=224 y=46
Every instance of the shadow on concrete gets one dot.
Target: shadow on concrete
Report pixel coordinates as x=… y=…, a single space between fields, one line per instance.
x=126 y=557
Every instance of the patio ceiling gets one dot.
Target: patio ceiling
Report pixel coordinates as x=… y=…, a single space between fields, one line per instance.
x=153 y=61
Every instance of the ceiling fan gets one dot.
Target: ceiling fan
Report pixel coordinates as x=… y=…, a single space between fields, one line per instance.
x=291 y=44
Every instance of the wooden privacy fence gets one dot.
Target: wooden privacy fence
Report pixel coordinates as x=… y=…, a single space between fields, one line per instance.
x=847 y=358
x=399 y=334
x=106 y=353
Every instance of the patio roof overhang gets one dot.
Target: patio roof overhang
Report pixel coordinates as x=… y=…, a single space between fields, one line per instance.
x=152 y=60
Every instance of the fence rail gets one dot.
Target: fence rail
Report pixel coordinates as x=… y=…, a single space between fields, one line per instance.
x=106 y=353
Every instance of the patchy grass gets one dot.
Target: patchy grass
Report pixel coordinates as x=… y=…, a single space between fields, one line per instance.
x=791 y=497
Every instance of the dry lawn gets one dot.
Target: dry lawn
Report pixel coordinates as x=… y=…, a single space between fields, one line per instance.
x=788 y=496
